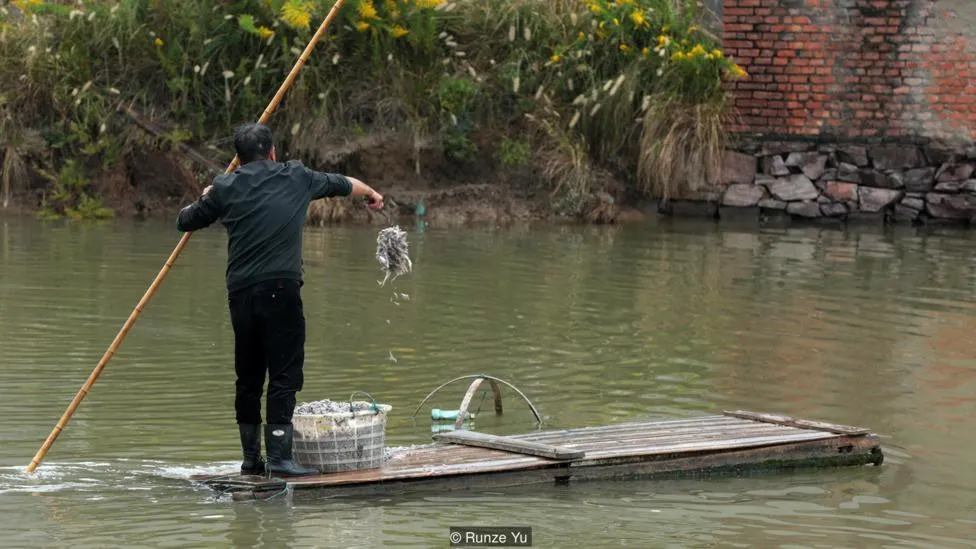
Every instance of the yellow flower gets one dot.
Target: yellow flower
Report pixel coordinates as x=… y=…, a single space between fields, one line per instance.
x=697 y=50
x=737 y=71
x=399 y=31
x=391 y=9
x=296 y=14
x=367 y=10
x=624 y=2
x=22 y=5
x=581 y=35
x=595 y=8
x=265 y=32
x=158 y=42
x=429 y=4
x=717 y=53
x=616 y=22
x=624 y=48
x=692 y=29
x=638 y=18
x=663 y=41
x=645 y=51
x=362 y=26
x=555 y=58
x=678 y=56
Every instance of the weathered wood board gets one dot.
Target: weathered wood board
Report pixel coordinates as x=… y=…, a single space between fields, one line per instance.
x=733 y=441
x=508 y=444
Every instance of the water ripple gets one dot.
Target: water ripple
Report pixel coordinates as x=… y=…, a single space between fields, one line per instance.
x=596 y=325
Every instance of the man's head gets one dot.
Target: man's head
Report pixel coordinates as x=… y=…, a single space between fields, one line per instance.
x=253 y=142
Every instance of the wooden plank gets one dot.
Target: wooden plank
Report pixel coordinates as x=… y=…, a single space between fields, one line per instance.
x=702 y=430
x=829 y=451
x=238 y=482
x=657 y=425
x=494 y=464
x=857 y=451
x=507 y=444
x=598 y=432
x=435 y=460
x=422 y=474
x=731 y=440
x=799 y=423
x=763 y=430
x=834 y=451
x=707 y=446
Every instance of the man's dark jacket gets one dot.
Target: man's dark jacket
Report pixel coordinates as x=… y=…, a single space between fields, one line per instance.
x=263 y=205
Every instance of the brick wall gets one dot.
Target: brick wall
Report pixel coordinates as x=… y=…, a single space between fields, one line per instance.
x=854 y=69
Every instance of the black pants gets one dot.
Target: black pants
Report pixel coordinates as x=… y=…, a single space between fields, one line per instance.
x=269 y=338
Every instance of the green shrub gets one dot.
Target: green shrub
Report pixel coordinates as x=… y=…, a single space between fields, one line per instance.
x=615 y=74
x=70 y=197
x=513 y=152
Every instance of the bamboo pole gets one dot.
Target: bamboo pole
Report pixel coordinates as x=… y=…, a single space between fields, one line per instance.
x=86 y=388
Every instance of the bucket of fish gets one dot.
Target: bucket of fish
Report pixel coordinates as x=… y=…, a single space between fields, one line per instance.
x=334 y=436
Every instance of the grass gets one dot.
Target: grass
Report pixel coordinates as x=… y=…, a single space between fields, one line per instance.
x=632 y=83
x=681 y=148
x=326 y=211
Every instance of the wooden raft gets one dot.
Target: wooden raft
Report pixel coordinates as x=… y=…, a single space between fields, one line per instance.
x=730 y=442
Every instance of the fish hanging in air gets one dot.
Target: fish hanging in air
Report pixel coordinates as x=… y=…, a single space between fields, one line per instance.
x=391 y=252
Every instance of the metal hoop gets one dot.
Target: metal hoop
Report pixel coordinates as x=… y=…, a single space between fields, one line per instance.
x=478 y=378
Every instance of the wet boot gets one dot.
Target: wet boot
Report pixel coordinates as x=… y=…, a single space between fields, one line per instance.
x=251 y=444
x=277 y=440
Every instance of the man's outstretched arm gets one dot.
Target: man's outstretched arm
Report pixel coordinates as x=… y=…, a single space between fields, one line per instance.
x=330 y=184
x=201 y=214
x=359 y=188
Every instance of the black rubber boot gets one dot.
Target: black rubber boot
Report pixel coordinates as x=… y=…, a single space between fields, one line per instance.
x=251 y=444
x=277 y=440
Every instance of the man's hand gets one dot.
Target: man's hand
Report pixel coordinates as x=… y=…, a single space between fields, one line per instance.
x=202 y=213
x=373 y=198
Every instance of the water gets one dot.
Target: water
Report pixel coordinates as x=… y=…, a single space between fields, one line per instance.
x=595 y=325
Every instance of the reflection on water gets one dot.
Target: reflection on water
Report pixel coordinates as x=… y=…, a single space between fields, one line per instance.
x=595 y=325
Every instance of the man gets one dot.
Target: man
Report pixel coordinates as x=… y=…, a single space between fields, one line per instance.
x=263 y=207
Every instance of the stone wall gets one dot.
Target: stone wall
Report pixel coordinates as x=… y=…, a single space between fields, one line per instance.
x=895 y=183
x=854 y=68
x=853 y=110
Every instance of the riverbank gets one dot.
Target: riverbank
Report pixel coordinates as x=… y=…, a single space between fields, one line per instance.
x=157 y=183
x=468 y=109
x=762 y=182
x=458 y=111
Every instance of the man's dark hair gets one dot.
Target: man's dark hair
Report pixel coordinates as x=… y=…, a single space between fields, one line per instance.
x=252 y=142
